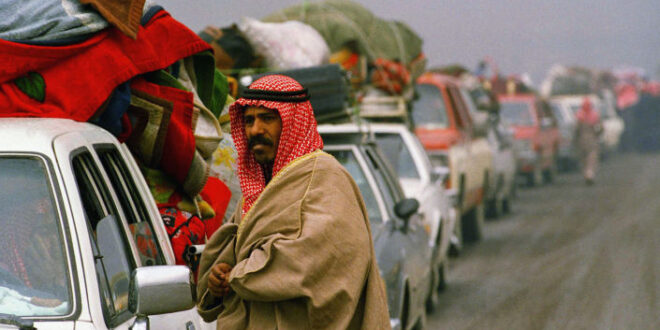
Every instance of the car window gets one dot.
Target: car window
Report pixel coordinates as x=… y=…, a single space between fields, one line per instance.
x=459 y=107
x=429 y=107
x=34 y=277
x=113 y=266
x=469 y=103
x=136 y=212
x=556 y=111
x=396 y=152
x=517 y=113
x=348 y=160
x=390 y=188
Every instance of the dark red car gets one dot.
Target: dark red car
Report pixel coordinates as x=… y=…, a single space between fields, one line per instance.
x=536 y=135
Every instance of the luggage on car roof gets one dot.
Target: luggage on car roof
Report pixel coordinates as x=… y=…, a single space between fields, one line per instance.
x=327 y=85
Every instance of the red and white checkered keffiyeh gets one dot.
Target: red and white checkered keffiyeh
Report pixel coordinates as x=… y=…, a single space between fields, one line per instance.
x=299 y=134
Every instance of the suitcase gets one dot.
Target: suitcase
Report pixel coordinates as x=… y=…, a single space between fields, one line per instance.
x=327 y=86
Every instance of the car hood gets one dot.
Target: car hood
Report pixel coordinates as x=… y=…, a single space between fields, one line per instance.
x=434 y=139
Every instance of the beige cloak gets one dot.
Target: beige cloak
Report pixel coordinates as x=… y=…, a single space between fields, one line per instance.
x=302 y=256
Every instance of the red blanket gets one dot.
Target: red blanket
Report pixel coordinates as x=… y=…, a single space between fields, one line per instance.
x=73 y=81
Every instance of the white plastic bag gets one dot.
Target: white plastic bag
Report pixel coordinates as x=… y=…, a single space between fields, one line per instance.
x=287 y=45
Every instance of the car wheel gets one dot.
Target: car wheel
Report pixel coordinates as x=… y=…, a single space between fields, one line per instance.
x=433 y=297
x=494 y=209
x=473 y=223
x=442 y=276
x=405 y=309
x=439 y=284
x=421 y=322
x=506 y=205
x=550 y=173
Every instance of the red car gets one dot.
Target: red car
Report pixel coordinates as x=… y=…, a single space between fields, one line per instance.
x=536 y=135
x=446 y=129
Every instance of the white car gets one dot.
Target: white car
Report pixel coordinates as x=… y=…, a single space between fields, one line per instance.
x=83 y=244
x=612 y=124
x=502 y=187
x=567 y=155
x=418 y=179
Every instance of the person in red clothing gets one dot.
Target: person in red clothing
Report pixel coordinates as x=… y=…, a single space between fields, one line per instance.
x=587 y=133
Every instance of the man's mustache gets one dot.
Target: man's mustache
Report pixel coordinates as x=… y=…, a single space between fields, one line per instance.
x=259 y=139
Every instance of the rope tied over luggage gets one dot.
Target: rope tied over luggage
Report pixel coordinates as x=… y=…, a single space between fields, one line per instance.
x=279 y=96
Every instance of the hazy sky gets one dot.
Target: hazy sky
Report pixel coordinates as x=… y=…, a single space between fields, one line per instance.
x=520 y=35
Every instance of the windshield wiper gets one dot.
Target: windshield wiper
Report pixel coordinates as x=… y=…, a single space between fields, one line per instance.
x=17 y=321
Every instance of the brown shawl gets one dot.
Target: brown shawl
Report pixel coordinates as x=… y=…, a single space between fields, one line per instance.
x=303 y=256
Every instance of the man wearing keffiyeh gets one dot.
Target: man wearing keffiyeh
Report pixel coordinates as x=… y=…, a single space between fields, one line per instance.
x=298 y=252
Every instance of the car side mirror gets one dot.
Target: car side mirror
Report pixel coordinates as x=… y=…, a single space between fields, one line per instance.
x=405 y=208
x=439 y=174
x=158 y=290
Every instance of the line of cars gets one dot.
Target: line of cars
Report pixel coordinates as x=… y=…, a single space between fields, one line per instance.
x=429 y=180
x=427 y=184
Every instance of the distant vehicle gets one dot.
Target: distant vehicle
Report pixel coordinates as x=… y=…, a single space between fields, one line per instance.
x=411 y=165
x=445 y=127
x=612 y=124
x=400 y=242
x=83 y=244
x=502 y=183
x=567 y=155
x=536 y=136
x=503 y=187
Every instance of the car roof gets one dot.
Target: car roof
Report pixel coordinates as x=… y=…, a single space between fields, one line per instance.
x=37 y=134
x=362 y=128
x=438 y=78
x=516 y=97
x=573 y=98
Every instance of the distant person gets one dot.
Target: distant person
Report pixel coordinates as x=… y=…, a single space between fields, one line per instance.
x=298 y=252
x=587 y=133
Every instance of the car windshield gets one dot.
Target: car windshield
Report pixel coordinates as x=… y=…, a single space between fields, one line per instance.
x=348 y=160
x=429 y=107
x=33 y=266
x=397 y=154
x=517 y=113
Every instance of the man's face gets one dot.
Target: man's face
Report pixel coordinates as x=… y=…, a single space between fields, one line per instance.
x=262 y=128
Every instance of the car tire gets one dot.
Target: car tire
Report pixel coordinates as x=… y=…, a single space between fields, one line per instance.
x=506 y=205
x=494 y=209
x=550 y=173
x=472 y=224
x=421 y=322
x=405 y=309
x=433 y=298
x=438 y=285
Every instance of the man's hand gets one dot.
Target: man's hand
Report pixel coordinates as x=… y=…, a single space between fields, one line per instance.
x=218 y=281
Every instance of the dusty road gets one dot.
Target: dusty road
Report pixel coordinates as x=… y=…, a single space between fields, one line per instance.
x=569 y=257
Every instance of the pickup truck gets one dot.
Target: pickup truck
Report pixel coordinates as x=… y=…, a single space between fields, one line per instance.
x=83 y=244
x=447 y=131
